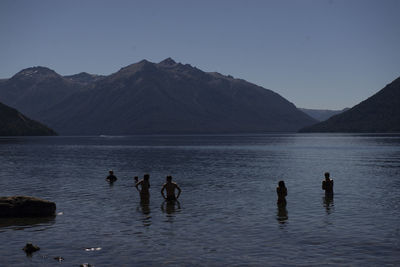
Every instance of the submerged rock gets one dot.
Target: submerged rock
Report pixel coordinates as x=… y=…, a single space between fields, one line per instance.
x=29 y=248
x=59 y=258
x=24 y=206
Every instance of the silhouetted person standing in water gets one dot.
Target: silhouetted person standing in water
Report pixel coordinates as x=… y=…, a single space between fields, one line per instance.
x=170 y=187
x=327 y=185
x=111 y=177
x=281 y=190
x=144 y=189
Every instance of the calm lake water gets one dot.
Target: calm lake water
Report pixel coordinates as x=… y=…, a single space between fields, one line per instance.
x=227 y=213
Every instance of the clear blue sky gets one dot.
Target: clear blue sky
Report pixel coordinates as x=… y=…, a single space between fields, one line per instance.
x=317 y=54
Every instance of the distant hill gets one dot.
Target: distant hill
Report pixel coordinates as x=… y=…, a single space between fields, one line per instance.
x=36 y=89
x=322 y=114
x=379 y=113
x=162 y=98
x=13 y=123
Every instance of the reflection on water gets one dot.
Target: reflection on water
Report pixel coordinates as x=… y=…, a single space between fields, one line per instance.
x=282 y=214
x=327 y=201
x=23 y=223
x=170 y=208
x=145 y=210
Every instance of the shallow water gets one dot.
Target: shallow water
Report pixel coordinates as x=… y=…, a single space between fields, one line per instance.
x=227 y=213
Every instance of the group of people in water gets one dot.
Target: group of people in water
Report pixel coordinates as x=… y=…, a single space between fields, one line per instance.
x=281 y=190
x=169 y=187
x=143 y=187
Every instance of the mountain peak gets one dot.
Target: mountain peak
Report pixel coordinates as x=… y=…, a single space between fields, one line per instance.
x=167 y=62
x=36 y=72
x=141 y=66
x=80 y=75
x=84 y=77
x=144 y=62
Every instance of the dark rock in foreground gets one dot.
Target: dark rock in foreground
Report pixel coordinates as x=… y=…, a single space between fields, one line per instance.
x=24 y=206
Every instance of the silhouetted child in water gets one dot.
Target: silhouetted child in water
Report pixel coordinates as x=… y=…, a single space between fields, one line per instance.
x=327 y=185
x=170 y=187
x=136 y=179
x=111 y=177
x=281 y=190
x=144 y=188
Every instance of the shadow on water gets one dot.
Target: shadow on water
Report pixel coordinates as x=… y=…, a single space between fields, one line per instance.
x=282 y=215
x=15 y=223
x=327 y=201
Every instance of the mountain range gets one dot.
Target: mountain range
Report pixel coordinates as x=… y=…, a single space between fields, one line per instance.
x=322 y=114
x=379 y=113
x=149 y=98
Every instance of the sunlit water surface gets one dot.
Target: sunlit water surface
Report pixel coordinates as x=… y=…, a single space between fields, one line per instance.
x=227 y=213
